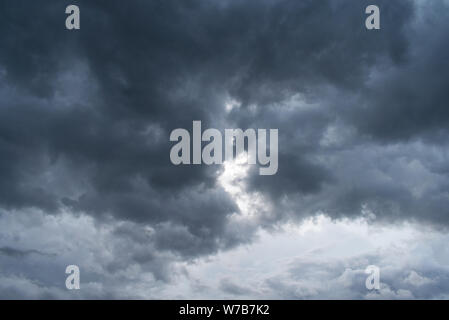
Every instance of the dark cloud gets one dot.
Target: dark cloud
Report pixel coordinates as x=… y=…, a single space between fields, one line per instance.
x=409 y=101
x=85 y=116
x=18 y=253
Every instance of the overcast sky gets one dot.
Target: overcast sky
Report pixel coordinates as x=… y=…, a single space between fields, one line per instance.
x=86 y=177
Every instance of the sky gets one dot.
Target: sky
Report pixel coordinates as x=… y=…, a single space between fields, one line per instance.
x=85 y=171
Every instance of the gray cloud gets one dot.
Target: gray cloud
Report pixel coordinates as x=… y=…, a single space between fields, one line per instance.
x=85 y=118
x=18 y=253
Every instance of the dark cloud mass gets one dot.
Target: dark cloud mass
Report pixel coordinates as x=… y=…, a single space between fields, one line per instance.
x=85 y=118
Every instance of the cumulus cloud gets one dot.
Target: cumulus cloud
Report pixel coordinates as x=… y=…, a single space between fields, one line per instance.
x=324 y=259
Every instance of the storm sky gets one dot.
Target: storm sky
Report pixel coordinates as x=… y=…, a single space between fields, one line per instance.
x=85 y=170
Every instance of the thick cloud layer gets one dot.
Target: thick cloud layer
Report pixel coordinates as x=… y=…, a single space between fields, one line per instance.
x=85 y=118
